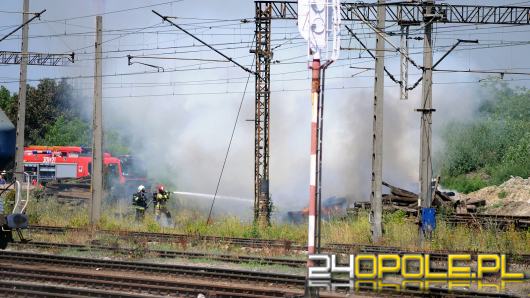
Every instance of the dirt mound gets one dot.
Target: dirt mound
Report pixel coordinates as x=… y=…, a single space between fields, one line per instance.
x=510 y=198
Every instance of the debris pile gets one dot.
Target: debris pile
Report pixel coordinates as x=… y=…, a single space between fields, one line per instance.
x=401 y=199
x=407 y=201
x=510 y=198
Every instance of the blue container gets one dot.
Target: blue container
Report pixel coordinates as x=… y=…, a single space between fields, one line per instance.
x=428 y=219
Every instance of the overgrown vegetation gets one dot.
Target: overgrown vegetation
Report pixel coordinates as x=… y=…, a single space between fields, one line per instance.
x=400 y=230
x=492 y=147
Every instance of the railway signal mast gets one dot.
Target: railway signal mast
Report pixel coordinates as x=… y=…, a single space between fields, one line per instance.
x=319 y=24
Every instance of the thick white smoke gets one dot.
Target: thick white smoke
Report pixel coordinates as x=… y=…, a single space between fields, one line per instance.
x=183 y=140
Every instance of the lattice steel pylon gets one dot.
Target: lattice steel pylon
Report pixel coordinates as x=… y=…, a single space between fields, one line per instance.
x=263 y=56
x=44 y=59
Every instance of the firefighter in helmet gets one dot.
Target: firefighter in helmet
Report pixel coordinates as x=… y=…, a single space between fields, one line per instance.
x=160 y=199
x=140 y=202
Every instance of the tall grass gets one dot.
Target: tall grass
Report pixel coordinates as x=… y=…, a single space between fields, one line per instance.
x=399 y=230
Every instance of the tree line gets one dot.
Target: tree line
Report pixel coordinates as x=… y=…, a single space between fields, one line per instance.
x=55 y=116
x=492 y=146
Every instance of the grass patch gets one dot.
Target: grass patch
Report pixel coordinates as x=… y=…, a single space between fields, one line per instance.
x=465 y=183
x=399 y=231
x=50 y=212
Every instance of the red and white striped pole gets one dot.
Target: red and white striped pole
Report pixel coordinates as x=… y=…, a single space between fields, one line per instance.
x=315 y=95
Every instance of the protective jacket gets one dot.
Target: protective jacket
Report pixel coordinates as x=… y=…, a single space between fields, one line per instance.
x=140 y=200
x=162 y=197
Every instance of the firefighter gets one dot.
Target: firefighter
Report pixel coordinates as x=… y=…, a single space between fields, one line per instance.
x=160 y=199
x=140 y=203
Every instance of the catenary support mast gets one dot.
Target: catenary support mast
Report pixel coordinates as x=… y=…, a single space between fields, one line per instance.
x=21 y=114
x=263 y=56
x=426 y=111
x=97 y=128
x=376 y=197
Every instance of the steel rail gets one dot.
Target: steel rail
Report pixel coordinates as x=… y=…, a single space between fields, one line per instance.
x=298 y=281
x=436 y=255
x=139 y=285
x=172 y=254
x=194 y=255
x=30 y=289
x=290 y=262
x=177 y=270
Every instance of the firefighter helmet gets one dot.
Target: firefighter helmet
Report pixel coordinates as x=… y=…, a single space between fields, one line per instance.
x=160 y=188
x=141 y=188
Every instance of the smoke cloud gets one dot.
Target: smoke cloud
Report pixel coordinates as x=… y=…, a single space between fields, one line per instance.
x=182 y=139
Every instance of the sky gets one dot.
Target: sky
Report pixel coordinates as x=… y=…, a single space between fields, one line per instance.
x=181 y=119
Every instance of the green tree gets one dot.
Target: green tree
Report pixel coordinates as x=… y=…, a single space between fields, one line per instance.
x=65 y=132
x=45 y=104
x=8 y=103
x=115 y=144
x=53 y=117
x=495 y=146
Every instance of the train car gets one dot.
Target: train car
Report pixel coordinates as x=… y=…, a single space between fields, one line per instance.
x=45 y=163
x=7 y=141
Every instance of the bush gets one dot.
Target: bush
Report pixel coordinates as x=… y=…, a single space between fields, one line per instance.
x=465 y=184
x=494 y=146
x=9 y=201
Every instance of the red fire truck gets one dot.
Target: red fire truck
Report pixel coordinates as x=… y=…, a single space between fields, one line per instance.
x=45 y=163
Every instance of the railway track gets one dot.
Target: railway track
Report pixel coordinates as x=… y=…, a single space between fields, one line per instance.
x=490 y=220
x=12 y=288
x=90 y=284
x=290 y=262
x=238 y=259
x=523 y=259
x=18 y=268
x=174 y=270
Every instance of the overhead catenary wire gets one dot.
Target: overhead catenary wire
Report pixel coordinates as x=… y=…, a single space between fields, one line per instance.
x=445 y=26
x=37 y=15
x=176 y=69
x=108 y=12
x=165 y=18
x=166 y=95
x=229 y=146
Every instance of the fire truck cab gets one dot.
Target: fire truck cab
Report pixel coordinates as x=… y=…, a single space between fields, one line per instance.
x=45 y=163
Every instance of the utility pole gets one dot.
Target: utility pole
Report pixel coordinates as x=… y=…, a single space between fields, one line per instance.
x=376 y=197
x=426 y=114
x=21 y=114
x=97 y=128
